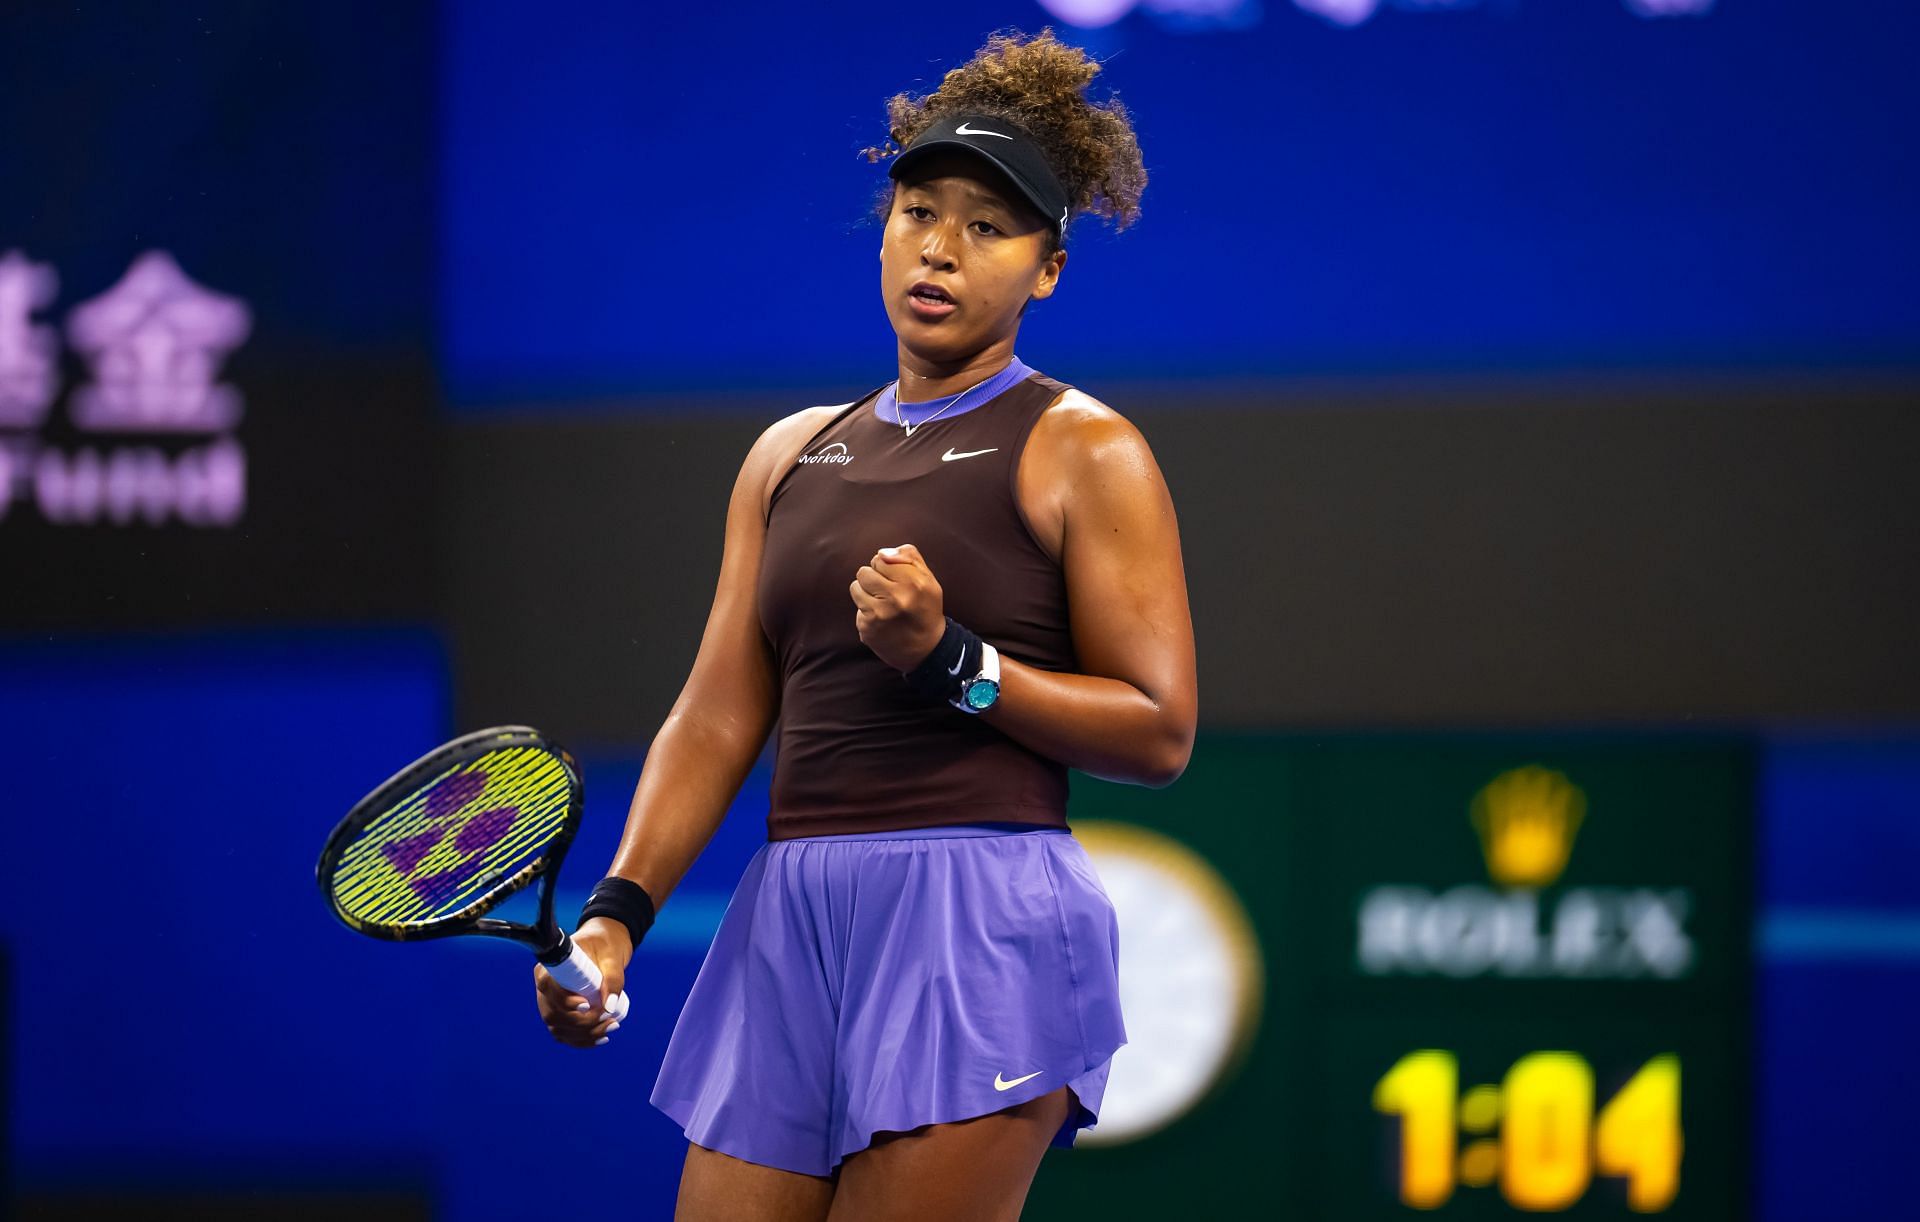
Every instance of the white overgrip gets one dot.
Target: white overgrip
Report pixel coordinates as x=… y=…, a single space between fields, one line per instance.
x=578 y=973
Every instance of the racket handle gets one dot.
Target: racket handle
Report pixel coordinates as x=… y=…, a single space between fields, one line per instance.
x=578 y=973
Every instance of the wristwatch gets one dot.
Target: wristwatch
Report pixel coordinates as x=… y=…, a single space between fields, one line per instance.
x=978 y=692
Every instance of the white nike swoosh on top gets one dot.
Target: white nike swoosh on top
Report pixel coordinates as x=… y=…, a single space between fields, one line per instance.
x=964 y=130
x=949 y=456
x=1000 y=1083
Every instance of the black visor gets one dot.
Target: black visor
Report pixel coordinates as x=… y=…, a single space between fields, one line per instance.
x=1003 y=144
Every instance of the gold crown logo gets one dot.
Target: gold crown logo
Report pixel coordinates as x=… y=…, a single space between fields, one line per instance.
x=1527 y=819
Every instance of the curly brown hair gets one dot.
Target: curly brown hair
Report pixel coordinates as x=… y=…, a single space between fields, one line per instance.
x=1038 y=84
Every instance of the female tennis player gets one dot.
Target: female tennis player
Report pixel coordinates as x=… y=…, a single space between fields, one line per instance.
x=947 y=593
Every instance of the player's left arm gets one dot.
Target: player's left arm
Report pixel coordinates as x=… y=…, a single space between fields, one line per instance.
x=1129 y=714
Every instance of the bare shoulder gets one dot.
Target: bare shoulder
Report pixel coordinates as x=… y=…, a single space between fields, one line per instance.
x=1079 y=435
x=1080 y=448
x=780 y=443
x=1075 y=406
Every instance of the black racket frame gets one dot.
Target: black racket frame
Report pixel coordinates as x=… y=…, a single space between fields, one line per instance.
x=547 y=940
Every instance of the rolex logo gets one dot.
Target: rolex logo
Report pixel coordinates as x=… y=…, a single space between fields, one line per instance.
x=1527 y=819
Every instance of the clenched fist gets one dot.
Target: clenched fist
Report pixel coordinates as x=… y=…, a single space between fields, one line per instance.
x=902 y=613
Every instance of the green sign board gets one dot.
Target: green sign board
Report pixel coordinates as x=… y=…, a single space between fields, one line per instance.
x=1499 y=976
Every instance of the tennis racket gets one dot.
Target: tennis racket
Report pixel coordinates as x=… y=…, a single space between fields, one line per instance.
x=449 y=837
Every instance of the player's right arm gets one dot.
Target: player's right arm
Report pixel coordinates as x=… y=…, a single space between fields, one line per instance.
x=731 y=699
x=711 y=738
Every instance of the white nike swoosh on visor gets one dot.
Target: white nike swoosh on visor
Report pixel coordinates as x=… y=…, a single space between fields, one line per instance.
x=964 y=130
x=1000 y=1083
x=949 y=456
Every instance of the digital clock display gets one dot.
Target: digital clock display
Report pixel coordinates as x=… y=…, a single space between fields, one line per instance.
x=1536 y=1132
x=1532 y=971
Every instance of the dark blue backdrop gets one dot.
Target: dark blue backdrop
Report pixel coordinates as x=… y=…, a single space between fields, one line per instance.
x=188 y=1012
x=645 y=198
x=1839 y=946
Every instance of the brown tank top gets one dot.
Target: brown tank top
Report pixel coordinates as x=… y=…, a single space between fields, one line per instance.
x=856 y=750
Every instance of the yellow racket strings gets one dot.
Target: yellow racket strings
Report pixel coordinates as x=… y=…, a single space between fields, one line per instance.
x=442 y=845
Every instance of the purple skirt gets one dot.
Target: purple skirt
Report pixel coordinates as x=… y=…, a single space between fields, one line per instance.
x=875 y=983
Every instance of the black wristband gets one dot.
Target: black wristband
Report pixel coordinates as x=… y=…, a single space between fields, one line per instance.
x=938 y=675
x=625 y=901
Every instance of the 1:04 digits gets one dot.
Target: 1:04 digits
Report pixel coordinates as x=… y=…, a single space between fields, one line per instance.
x=1550 y=1147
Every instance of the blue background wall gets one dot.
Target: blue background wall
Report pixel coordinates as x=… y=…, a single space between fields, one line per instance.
x=1839 y=945
x=189 y=1013
x=655 y=205
x=589 y=202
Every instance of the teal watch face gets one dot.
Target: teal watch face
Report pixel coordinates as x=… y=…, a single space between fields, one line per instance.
x=981 y=693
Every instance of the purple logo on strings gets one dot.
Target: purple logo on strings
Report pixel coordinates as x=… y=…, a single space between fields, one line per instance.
x=485 y=830
x=456 y=791
x=475 y=835
x=406 y=853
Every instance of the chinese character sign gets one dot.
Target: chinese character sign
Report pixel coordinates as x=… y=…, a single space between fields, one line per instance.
x=155 y=343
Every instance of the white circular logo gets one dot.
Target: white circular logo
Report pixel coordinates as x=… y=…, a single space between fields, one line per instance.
x=1191 y=978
